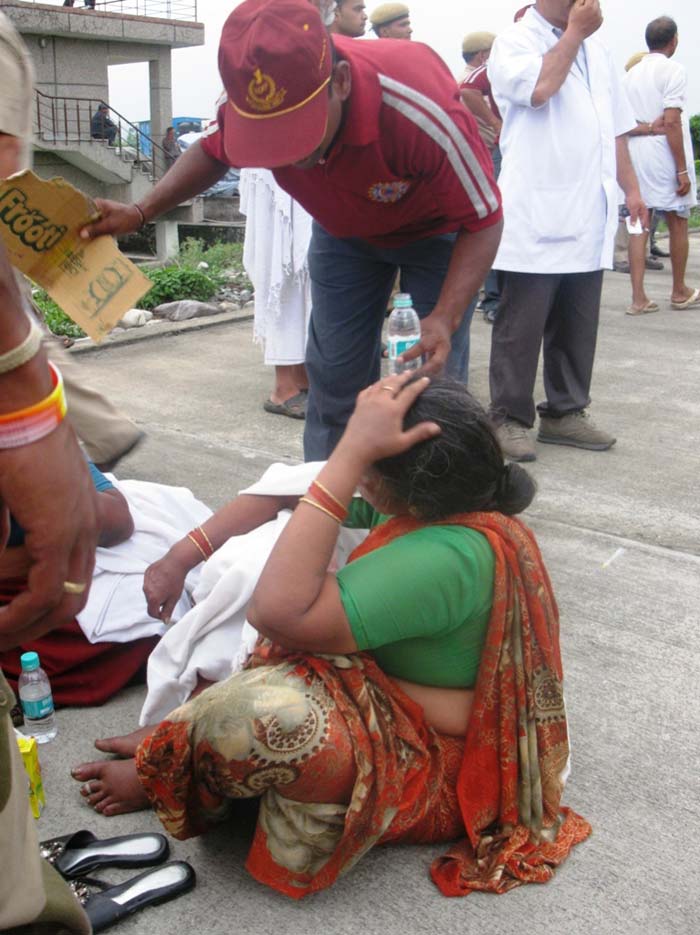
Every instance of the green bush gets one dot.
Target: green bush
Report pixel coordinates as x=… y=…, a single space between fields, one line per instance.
x=56 y=319
x=695 y=133
x=173 y=283
x=220 y=256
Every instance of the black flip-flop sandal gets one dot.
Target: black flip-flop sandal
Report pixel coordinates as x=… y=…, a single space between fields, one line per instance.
x=113 y=903
x=76 y=854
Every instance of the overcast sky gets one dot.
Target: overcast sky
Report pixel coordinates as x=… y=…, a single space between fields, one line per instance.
x=439 y=23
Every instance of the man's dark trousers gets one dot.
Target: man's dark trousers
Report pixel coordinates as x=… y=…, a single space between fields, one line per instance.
x=558 y=312
x=351 y=282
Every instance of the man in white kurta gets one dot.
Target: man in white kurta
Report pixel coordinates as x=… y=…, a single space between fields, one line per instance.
x=564 y=148
x=657 y=87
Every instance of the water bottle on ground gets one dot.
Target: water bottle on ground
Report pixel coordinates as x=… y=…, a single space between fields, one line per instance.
x=403 y=331
x=36 y=700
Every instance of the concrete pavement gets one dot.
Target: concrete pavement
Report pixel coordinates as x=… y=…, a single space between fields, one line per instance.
x=621 y=535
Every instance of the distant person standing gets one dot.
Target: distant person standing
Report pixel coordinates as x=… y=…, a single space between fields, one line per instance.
x=350 y=19
x=102 y=127
x=391 y=21
x=662 y=154
x=475 y=91
x=171 y=147
x=565 y=120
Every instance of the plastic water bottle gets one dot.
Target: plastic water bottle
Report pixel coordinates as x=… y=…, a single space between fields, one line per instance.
x=403 y=331
x=36 y=699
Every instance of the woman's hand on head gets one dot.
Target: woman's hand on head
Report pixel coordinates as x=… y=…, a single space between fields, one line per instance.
x=376 y=429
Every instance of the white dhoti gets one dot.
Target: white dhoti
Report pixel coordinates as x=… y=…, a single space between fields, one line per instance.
x=653 y=86
x=277 y=236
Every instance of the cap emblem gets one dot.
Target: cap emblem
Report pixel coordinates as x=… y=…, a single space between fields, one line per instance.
x=263 y=93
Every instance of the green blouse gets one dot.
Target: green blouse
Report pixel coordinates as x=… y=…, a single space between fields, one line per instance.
x=422 y=603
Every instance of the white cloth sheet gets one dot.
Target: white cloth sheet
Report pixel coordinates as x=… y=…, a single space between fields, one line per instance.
x=116 y=608
x=558 y=180
x=653 y=85
x=277 y=235
x=214 y=639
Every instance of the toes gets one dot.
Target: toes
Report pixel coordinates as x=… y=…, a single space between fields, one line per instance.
x=94 y=791
x=86 y=771
x=109 y=807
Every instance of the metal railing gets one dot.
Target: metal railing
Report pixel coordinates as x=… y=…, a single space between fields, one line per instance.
x=182 y=10
x=91 y=120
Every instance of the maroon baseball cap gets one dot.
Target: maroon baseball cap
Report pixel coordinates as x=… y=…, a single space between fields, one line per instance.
x=275 y=61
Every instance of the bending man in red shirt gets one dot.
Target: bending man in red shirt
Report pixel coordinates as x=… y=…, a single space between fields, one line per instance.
x=372 y=139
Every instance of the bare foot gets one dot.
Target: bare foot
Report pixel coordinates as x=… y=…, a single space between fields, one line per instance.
x=124 y=745
x=111 y=787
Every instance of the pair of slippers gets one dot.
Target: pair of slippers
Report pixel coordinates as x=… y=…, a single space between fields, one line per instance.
x=75 y=855
x=692 y=301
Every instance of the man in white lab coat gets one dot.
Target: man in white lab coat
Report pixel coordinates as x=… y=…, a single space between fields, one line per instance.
x=564 y=148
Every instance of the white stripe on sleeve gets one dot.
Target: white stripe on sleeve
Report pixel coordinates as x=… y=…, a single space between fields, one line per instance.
x=439 y=126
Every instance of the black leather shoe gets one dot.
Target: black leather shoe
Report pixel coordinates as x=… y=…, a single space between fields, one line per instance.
x=656 y=250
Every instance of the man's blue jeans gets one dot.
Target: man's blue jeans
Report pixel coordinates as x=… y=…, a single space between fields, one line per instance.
x=351 y=282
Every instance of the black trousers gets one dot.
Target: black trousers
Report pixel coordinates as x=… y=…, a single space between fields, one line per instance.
x=558 y=312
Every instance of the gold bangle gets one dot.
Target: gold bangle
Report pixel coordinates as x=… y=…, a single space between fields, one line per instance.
x=207 y=539
x=319 y=507
x=199 y=548
x=329 y=494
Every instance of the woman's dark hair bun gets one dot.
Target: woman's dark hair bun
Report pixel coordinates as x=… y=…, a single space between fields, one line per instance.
x=516 y=490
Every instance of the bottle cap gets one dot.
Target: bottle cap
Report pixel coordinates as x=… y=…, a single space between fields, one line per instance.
x=30 y=661
x=403 y=300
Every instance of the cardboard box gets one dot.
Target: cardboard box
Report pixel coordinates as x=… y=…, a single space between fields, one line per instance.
x=28 y=747
x=40 y=224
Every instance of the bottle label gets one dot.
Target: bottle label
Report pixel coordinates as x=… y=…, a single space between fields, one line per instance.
x=399 y=346
x=38 y=709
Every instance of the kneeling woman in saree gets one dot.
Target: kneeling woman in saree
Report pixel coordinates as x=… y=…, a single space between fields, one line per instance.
x=413 y=696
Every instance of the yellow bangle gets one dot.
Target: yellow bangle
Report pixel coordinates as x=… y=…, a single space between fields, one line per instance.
x=319 y=507
x=34 y=422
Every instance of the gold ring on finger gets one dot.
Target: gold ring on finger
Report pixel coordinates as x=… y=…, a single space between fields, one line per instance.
x=74 y=587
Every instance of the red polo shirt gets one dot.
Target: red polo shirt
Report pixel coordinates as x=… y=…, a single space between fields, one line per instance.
x=408 y=162
x=479 y=81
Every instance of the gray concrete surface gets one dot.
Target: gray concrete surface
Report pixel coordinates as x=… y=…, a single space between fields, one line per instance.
x=629 y=633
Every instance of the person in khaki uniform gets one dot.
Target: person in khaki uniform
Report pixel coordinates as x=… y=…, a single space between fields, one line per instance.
x=47 y=484
x=391 y=21
x=106 y=433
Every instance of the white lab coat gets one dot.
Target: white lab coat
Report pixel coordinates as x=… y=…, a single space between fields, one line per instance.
x=558 y=180
x=652 y=85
